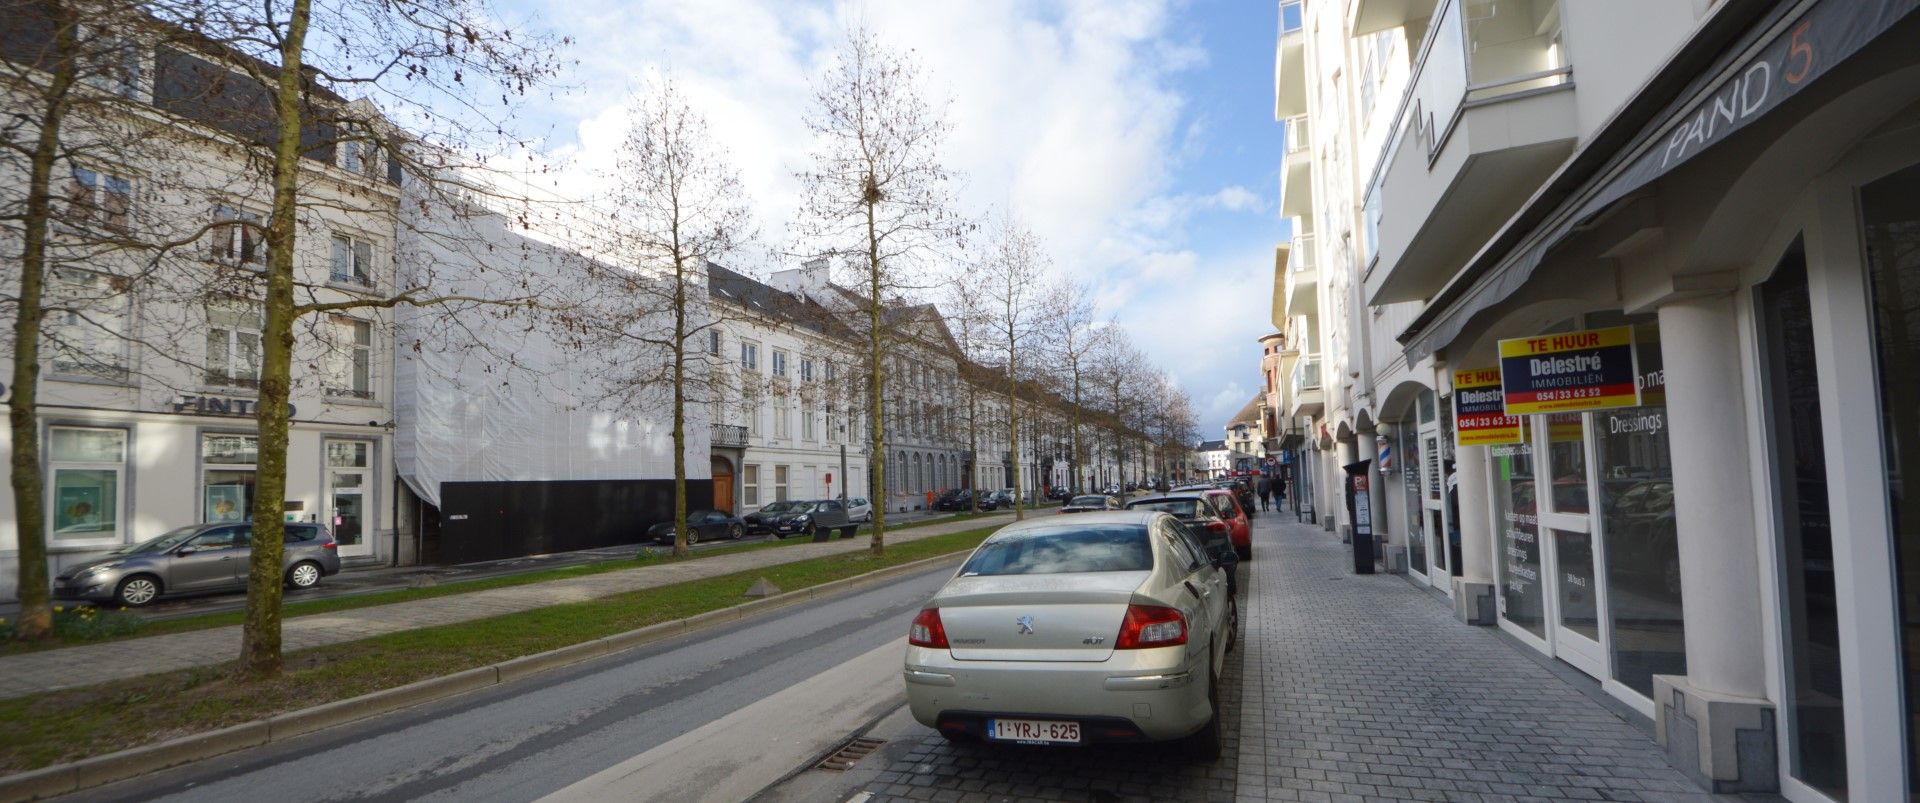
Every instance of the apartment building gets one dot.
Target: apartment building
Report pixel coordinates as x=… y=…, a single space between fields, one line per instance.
x=1613 y=302
x=150 y=359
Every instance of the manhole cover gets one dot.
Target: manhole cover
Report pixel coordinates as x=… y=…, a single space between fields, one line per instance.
x=850 y=754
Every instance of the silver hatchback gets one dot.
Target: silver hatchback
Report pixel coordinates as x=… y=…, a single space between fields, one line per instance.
x=194 y=559
x=1096 y=627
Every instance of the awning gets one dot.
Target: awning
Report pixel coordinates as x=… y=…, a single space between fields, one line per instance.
x=1745 y=60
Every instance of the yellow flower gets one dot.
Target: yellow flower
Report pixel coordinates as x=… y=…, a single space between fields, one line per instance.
x=58 y=609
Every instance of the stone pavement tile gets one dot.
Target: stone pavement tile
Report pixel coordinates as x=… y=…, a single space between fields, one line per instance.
x=89 y=664
x=1369 y=684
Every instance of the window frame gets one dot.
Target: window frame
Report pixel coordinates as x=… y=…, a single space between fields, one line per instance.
x=359 y=276
x=362 y=352
x=233 y=341
x=235 y=239
x=120 y=367
x=51 y=484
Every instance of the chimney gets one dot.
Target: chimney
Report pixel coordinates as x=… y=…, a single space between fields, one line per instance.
x=810 y=279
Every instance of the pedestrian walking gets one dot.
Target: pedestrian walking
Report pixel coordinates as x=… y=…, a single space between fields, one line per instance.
x=1265 y=489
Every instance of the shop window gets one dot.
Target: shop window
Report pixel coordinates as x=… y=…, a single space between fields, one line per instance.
x=1637 y=525
x=85 y=470
x=348 y=469
x=1567 y=461
x=1892 y=239
x=1521 y=600
x=750 y=485
x=233 y=343
x=1410 y=462
x=227 y=476
x=86 y=324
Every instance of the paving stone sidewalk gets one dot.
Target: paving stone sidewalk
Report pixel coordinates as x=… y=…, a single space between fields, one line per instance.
x=85 y=665
x=1367 y=688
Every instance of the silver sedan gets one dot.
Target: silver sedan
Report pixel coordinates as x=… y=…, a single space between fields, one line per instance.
x=1097 y=627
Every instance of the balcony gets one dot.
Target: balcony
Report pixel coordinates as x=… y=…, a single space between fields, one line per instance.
x=1296 y=170
x=728 y=436
x=1290 y=62
x=1373 y=16
x=1306 y=397
x=1303 y=277
x=1489 y=115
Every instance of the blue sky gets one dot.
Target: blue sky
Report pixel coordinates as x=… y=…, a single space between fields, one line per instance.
x=1135 y=136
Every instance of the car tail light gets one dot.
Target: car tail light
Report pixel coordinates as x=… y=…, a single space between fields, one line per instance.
x=330 y=544
x=1217 y=526
x=1147 y=626
x=927 y=630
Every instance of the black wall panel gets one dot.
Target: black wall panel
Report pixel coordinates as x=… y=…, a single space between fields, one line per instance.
x=493 y=520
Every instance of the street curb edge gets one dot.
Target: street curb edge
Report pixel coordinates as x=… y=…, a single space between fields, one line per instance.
x=88 y=773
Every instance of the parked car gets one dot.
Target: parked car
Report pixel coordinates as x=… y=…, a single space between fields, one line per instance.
x=1199 y=515
x=813 y=518
x=1060 y=493
x=859 y=509
x=1063 y=631
x=701 y=525
x=960 y=500
x=1239 y=525
x=761 y=521
x=194 y=559
x=1091 y=502
x=995 y=500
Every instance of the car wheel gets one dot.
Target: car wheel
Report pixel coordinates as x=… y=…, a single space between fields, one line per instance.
x=137 y=590
x=1204 y=744
x=693 y=536
x=809 y=531
x=304 y=574
x=735 y=532
x=1233 y=623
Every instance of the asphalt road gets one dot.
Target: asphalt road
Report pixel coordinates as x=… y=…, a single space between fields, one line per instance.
x=644 y=719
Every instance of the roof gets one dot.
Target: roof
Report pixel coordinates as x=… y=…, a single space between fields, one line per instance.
x=1250 y=413
x=764 y=299
x=1212 y=446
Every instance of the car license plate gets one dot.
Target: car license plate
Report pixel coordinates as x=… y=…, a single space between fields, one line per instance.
x=1033 y=731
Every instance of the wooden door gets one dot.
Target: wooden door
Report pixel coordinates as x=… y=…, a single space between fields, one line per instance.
x=723 y=485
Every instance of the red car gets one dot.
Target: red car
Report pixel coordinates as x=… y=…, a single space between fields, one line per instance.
x=1240 y=528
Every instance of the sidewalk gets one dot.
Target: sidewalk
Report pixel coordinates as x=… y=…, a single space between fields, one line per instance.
x=88 y=664
x=1365 y=687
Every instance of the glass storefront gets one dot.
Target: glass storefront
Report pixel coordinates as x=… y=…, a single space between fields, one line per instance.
x=227 y=475
x=347 y=479
x=84 y=469
x=1522 y=599
x=1637 y=523
x=1408 y=435
x=1891 y=216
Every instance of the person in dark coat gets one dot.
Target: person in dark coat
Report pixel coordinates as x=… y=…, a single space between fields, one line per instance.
x=1265 y=490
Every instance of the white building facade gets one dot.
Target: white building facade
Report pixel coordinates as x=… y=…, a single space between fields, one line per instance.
x=1717 y=197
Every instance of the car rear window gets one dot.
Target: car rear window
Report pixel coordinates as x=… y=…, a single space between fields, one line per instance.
x=302 y=532
x=1180 y=508
x=1088 y=501
x=1063 y=550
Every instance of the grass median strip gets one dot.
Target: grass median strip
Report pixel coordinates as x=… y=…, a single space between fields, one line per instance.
x=335 y=604
x=58 y=727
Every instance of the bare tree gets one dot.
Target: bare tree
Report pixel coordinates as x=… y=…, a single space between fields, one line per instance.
x=877 y=195
x=1011 y=270
x=438 y=64
x=1077 y=335
x=965 y=308
x=678 y=206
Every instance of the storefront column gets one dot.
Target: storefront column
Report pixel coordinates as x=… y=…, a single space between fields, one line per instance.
x=1343 y=453
x=1386 y=532
x=1715 y=721
x=1473 y=599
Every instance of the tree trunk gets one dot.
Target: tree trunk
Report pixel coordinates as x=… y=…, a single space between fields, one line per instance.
x=680 y=523
x=36 y=612
x=1013 y=434
x=876 y=376
x=260 y=639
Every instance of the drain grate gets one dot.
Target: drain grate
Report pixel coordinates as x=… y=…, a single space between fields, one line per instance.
x=850 y=754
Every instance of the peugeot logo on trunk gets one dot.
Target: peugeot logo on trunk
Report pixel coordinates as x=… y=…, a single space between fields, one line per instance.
x=1026 y=625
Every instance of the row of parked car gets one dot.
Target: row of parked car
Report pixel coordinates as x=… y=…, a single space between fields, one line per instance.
x=803 y=517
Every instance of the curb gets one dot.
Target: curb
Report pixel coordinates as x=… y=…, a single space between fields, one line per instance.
x=87 y=773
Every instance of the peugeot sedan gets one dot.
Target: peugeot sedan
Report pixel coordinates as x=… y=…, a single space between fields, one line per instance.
x=193 y=559
x=1097 y=627
x=1091 y=502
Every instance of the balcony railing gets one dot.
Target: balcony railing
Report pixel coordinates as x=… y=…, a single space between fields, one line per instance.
x=729 y=435
x=1478 y=51
x=1306 y=375
x=1296 y=133
x=1300 y=254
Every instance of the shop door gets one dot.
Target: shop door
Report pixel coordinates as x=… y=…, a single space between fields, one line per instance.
x=348 y=478
x=1573 y=564
x=1433 y=508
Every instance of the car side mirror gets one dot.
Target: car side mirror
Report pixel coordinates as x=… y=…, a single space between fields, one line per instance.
x=1226 y=559
x=185 y=551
